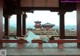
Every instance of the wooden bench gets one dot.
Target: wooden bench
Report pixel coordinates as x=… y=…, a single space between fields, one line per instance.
x=40 y=42
x=20 y=42
x=60 y=42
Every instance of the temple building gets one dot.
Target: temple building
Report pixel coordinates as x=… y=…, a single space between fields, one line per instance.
x=37 y=25
x=48 y=26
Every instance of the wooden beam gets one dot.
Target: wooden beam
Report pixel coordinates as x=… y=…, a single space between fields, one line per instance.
x=65 y=37
x=40 y=41
x=13 y=41
x=70 y=37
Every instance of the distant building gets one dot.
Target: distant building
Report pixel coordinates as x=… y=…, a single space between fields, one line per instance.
x=37 y=25
x=48 y=26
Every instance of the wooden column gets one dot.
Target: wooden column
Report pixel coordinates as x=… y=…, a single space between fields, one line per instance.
x=19 y=33
x=78 y=24
x=24 y=23
x=6 y=26
x=19 y=28
x=1 y=22
x=62 y=27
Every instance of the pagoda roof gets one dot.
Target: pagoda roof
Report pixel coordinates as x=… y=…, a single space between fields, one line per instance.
x=48 y=24
x=37 y=21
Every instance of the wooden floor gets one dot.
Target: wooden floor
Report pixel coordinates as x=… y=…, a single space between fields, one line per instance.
x=48 y=49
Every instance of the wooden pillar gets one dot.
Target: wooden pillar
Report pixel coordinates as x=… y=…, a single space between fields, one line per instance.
x=6 y=26
x=19 y=28
x=24 y=23
x=19 y=33
x=78 y=24
x=1 y=22
x=62 y=27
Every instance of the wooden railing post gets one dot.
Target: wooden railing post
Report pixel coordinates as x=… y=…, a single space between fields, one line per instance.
x=60 y=44
x=40 y=45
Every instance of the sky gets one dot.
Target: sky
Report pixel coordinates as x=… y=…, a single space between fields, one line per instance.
x=44 y=17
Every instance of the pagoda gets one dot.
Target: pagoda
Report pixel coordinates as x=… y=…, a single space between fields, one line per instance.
x=37 y=25
x=48 y=26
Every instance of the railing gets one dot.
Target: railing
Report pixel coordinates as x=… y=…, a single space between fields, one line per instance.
x=40 y=42
x=13 y=41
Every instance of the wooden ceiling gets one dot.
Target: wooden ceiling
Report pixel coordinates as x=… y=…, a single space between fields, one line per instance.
x=11 y=6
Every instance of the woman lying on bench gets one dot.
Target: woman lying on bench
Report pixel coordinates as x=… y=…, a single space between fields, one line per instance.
x=31 y=36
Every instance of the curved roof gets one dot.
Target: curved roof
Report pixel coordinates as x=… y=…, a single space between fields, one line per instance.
x=37 y=21
x=48 y=24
